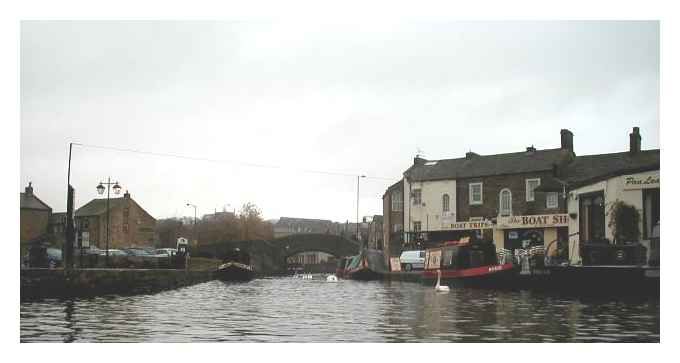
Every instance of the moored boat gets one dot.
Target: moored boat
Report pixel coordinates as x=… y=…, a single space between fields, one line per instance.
x=463 y=263
x=235 y=267
x=368 y=265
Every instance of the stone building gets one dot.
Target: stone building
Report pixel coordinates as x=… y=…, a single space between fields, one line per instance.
x=393 y=219
x=374 y=232
x=34 y=216
x=533 y=197
x=130 y=225
x=595 y=182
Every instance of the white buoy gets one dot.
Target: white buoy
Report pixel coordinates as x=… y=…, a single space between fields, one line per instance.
x=331 y=278
x=438 y=287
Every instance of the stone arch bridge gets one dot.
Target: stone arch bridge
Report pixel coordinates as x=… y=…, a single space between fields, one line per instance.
x=269 y=257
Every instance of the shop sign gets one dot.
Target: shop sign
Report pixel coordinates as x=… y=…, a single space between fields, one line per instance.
x=471 y=225
x=631 y=182
x=433 y=259
x=395 y=264
x=534 y=221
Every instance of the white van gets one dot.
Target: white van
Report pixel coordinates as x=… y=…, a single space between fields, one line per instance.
x=411 y=260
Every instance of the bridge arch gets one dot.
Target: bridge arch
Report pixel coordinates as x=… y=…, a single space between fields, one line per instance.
x=317 y=242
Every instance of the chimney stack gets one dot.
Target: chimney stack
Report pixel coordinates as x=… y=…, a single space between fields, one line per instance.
x=635 y=141
x=470 y=154
x=29 y=189
x=567 y=138
x=418 y=160
x=126 y=195
x=531 y=149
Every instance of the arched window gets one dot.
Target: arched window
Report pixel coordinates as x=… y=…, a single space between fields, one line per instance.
x=505 y=202
x=445 y=202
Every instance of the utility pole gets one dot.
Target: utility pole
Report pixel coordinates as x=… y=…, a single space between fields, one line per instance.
x=358 y=235
x=70 y=230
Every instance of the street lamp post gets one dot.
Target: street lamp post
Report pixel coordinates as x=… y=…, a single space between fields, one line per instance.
x=192 y=205
x=100 y=190
x=358 y=235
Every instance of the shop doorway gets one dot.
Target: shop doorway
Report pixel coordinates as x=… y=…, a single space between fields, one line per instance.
x=523 y=238
x=591 y=217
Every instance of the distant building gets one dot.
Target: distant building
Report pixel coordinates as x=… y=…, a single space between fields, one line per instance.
x=218 y=216
x=130 y=225
x=287 y=226
x=375 y=233
x=393 y=219
x=57 y=228
x=34 y=216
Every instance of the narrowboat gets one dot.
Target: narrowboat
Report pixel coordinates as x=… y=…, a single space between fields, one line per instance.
x=463 y=263
x=342 y=265
x=368 y=265
x=235 y=267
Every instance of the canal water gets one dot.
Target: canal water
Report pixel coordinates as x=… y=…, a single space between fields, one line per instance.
x=293 y=310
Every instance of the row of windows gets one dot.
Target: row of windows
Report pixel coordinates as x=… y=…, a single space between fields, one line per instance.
x=476 y=197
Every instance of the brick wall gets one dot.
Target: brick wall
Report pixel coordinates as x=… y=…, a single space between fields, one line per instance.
x=33 y=223
x=492 y=185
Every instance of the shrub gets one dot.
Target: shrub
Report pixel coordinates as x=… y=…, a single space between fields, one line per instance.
x=624 y=220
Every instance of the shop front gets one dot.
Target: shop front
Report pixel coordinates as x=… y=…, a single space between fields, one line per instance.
x=590 y=204
x=523 y=232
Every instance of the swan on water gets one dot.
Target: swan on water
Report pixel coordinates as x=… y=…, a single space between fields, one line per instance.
x=438 y=287
x=331 y=278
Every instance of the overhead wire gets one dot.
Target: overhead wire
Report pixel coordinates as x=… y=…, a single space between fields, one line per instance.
x=242 y=163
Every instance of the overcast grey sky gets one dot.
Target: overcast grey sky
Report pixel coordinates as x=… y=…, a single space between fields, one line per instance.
x=356 y=99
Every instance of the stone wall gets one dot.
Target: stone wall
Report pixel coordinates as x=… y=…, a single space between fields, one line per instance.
x=44 y=283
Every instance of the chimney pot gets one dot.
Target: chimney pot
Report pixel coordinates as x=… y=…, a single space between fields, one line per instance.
x=126 y=195
x=29 y=188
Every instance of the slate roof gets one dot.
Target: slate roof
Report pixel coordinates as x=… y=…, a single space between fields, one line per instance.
x=588 y=169
x=97 y=207
x=30 y=201
x=287 y=221
x=487 y=165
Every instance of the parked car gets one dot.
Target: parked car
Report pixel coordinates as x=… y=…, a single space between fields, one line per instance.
x=411 y=260
x=54 y=258
x=113 y=252
x=166 y=251
x=138 y=252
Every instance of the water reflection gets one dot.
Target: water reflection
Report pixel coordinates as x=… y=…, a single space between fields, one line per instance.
x=293 y=310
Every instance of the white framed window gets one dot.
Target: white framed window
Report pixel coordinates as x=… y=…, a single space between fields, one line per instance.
x=476 y=193
x=416 y=196
x=531 y=184
x=445 y=203
x=397 y=201
x=551 y=200
x=505 y=202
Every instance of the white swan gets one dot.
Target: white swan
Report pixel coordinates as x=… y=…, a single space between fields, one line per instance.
x=331 y=278
x=438 y=287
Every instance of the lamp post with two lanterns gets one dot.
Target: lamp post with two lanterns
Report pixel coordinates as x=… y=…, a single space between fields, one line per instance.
x=116 y=190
